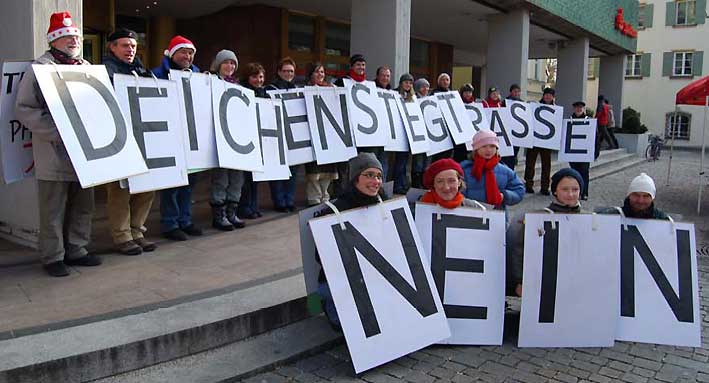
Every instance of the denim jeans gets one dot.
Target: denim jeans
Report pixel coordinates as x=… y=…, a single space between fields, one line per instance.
x=401 y=161
x=328 y=303
x=175 y=208
x=283 y=191
x=248 y=203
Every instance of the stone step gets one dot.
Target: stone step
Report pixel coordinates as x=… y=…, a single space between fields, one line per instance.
x=241 y=359
x=110 y=347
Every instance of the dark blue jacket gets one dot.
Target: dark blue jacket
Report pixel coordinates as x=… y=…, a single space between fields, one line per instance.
x=507 y=181
x=163 y=71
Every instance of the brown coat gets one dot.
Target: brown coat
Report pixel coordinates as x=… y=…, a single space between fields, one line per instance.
x=51 y=160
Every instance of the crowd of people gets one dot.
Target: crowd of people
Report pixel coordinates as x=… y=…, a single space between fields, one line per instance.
x=66 y=210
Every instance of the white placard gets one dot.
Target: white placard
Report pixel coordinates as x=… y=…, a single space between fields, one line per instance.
x=367 y=113
x=90 y=122
x=311 y=267
x=197 y=118
x=415 y=126
x=436 y=129
x=498 y=118
x=330 y=128
x=477 y=116
x=520 y=126
x=385 y=298
x=273 y=141
x=454 y=112
x=659 y=288
x=397 y=141
x=295 y=125
x=235 y=127
x=547 y=123
x=578 y=140
x=470 y=279
x=150 y=105
x=16 y=138
x=570 y=282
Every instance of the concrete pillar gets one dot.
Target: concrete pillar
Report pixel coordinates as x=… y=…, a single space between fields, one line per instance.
x=571 y=73
x=388 y=43
x=507 y=52
x=611 y=74
x=23 y=36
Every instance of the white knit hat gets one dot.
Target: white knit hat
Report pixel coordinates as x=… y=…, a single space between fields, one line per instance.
x=642 y=184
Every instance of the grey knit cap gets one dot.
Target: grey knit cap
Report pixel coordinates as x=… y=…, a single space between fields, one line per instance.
x=406 y=77
x=420 y=83
x=362 y=162
x=222 y=56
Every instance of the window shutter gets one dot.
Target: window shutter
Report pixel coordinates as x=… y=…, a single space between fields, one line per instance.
x=649 y=11
x=697 y=63
x=645 y=62
x=667 y=58
x=596 y=67
x=701 y=13
x=671 y=13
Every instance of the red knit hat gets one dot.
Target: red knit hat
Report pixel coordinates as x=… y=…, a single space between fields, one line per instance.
x=437 y=167
x=60 y=25
x=176 y=43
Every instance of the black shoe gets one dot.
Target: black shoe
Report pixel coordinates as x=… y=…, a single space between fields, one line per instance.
x=175 y=235
x=192 y=230
x=290 y=208
x=258 y=214
x=281 y=209
x=544 y=192
x=529 y=190
x=249 y=215
x=87 y=260
x=584 y=197
x=146 y=245
x=56 y=269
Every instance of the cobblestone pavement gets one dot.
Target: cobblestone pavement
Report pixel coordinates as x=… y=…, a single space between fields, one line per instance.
x=626 y=362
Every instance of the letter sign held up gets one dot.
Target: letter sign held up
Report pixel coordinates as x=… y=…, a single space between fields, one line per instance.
x=385 y=297
x=578 y=140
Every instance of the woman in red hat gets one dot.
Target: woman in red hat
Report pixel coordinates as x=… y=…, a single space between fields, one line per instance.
x=444 y=181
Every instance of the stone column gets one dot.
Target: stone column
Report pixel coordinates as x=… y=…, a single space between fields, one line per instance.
x=611 y=74
x=571 y=73
x=23 y=36
x=388 y=43
x=507 y=52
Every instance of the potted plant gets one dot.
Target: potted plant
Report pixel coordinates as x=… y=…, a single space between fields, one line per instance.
x=632 y=134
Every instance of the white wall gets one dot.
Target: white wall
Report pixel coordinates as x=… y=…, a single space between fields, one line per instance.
x=653 y=97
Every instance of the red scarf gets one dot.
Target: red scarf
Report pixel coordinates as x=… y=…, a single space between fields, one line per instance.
x=357 y=77
x=480 y=165
x=433 y=197
x=490 y=103
x=63 y=58
x=468 y=100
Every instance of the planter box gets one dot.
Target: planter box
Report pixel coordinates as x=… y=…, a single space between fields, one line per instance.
x=634 y=143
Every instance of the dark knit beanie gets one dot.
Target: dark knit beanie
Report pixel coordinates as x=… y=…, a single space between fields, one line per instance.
x=356 y=58
x=406 y=77
x=362 y=162
x=551 y=91
x=565 y=172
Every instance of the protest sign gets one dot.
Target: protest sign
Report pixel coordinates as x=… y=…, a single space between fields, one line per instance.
x=578 y=140
x=367 y=113
x=16 y=138
x=470 y=279
x=415 y=126
x=477 y=116
x=547 y=123
x=659 y=289
x=498 y=118
x=272 y=139
x=436 y=129
x=384 y=295
x=197 y=118
x=570 y=283
x=295 y=125
x=519 y=126
x=235 y=128
x=456 y=116
x=151 y=105
x=332 y=136
x=90 y=122
x=397 y=141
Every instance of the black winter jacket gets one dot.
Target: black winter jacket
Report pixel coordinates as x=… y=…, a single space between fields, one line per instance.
x=115 y=65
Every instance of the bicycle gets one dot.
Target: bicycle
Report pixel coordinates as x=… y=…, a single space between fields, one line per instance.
x=654 y=149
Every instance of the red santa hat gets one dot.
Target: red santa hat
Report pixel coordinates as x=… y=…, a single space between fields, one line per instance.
x=177 y=43
x=60 y=25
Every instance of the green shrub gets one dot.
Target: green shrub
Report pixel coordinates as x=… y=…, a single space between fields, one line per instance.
x=631 y=122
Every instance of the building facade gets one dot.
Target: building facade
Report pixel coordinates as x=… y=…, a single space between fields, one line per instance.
x=672 y=40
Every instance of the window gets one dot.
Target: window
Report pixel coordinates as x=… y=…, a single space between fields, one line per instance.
x=301 y=33
x=677 y=125
x=682 y=64
x=686 y=11
x=337 y=39
x=419 y=53
x=633 y=66
x=641 y=16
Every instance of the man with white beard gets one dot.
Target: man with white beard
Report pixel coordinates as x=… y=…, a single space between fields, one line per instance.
x=65 y=209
